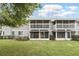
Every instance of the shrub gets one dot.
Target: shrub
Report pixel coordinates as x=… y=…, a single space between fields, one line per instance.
x=6 y=37
x=52 y=37
x=1 y=37
x=22 y=38
x=75 y=37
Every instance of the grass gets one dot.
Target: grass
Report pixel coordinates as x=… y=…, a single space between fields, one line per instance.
x=39 y=48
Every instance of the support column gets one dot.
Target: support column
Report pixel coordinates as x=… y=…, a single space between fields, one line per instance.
x=70 y=34
x=56 y=29
x=29 y=34
x=49 y=34
x=56 y=34
x=29 y=29
x=49 y=31
x=76 y=32
x=39 y=34
x=75 y=25
x=66 y=35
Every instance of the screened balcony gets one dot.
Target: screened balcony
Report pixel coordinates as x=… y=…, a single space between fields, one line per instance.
x=39 y=24
x=65 y=26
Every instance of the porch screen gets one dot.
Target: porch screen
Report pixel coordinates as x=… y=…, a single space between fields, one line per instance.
x=44 y=34
x=60 y=34
x=34 y=34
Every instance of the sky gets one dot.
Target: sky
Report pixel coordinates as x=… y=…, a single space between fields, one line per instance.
x=50 y=10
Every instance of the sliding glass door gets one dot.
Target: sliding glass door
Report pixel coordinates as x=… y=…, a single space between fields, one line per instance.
x=44 y=34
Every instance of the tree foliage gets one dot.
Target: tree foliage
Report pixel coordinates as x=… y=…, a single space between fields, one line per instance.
x=16 y=14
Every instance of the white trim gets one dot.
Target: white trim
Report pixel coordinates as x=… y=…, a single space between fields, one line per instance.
x=39 y=39
x=63 y=39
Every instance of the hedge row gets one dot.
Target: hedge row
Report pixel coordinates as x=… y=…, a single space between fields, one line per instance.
x=16 y=38
x=75 y=37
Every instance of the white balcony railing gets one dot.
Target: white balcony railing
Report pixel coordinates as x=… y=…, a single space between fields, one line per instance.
x=39 y=24
x=52 y=26
x=39 y=28
x=67 y=26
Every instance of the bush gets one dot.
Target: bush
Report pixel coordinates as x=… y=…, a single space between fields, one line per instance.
x=52 y=37
x=1 y=37
x=6 y=37
x=22 y=38
x=75 y=37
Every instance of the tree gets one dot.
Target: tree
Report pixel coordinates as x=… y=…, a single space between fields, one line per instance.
x=16 y=14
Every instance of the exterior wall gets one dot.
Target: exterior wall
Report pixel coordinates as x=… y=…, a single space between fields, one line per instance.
x=24 y=29
x=7 y=31
x=77 y=28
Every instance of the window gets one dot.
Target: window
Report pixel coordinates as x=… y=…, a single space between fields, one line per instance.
x=60 y=34
x=39 y=21
x=32 y=21
x=59 y=26
x=68 y=34
x=65 y=21
x=39 y=26
x=34 y=34
x=59 y=21
x=71 y=26
x=45 y=26
x=0 y=33
x=65 y=26
x=46 y=21
x=44 y=34
x=20 y=32
x=3 y=32
x=78 y=23
x=13 y=33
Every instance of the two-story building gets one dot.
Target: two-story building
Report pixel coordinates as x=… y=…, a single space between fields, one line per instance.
x=60 y=29
x=41 y=29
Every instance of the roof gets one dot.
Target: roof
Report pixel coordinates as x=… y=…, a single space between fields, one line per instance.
x=52 y=19
x=39 y=18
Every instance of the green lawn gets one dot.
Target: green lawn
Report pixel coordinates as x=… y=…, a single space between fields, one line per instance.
x=40 y=48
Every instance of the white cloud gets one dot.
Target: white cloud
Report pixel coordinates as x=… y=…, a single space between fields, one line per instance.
x=53 y=7
x=73 y=8
x=57 y=10
x=64 y=13
x=49 y=8
x=42 y=14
